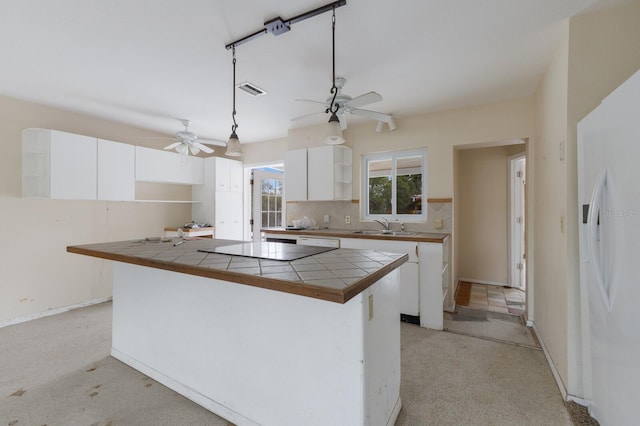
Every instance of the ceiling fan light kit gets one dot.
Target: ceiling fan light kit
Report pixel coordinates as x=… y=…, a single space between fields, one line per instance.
x=186 y=141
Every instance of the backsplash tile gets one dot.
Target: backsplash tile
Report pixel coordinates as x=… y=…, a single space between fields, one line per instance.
x=337 y=210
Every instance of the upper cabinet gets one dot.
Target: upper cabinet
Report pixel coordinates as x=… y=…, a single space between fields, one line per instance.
x=155 y=165
x=116 y=171
x=58 y=165
x=64 y=165
x=228 y=174
x=295 y=166
x=319 y=174
x=329 y=173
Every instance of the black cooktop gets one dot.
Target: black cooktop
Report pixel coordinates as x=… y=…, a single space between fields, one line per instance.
x=271 y=251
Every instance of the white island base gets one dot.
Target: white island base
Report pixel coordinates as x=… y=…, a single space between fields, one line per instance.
x=262 y=357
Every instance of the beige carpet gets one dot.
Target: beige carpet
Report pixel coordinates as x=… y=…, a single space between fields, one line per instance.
x=56 y=371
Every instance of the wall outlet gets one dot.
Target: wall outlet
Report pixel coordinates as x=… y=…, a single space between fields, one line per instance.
x=326 y=218
x=347 y=220
x=437 y=223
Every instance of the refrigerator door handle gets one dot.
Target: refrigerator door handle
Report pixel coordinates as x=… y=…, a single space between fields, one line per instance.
x=592 y=237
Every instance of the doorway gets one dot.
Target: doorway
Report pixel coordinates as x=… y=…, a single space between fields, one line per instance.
x=489 y=242
x=267 y=200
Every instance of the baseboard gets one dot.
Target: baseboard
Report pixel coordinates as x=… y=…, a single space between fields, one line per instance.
x=552 y=366
x=450 y=309
x=50 y=312
x=473 y=280
x=395 y=413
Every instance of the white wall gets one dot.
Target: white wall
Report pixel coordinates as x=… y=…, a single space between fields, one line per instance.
x=36 y=273
x=549 y=217
x=597 y=53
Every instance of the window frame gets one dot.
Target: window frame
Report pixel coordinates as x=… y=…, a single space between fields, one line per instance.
x=364 y=188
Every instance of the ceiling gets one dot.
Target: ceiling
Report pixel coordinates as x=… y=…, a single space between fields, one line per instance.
x=149 y=62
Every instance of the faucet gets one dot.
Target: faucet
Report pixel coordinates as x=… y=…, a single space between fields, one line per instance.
x=385 y=225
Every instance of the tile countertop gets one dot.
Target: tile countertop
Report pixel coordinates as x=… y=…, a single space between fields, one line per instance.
x=336 y=275
x=421 y=237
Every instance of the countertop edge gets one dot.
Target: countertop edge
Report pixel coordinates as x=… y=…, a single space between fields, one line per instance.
x=302 y=289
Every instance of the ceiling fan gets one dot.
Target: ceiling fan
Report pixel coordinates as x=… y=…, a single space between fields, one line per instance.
x=186 y=141
x=349 y=105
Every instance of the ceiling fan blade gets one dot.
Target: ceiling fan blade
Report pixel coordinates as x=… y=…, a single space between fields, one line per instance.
x=173 y=145
x=312 y=101
x=367 y=98
x=202 y=148
x=211 y=142
x=386 y=118
x=307 y=115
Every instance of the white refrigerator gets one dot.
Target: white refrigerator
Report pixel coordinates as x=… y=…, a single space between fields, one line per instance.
x=609 y=198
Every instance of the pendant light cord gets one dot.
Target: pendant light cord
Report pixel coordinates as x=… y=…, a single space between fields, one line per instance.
x=233 y=114
x=334 y=89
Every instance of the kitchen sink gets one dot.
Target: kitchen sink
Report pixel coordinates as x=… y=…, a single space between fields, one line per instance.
x=384 y=232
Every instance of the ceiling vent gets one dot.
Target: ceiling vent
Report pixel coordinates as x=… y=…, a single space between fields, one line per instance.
x=251 y=89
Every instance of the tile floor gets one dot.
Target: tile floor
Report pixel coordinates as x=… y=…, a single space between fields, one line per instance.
x=505 y=300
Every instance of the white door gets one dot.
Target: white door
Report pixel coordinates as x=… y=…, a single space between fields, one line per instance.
x=517 y=264
x=267 y=201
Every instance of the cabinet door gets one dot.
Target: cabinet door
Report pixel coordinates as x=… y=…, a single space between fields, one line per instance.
x=116 y=171
x=73 y=165
x=431 y=264
x=320 y=173
x=235 y=176
x=154 y=165
x=204 y=195
x=228 y=207
x=222 y=174
x=295 y=179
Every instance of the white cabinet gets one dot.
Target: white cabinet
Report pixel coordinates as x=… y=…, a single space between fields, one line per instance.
x=295 y=166
x=58 y=165
x=432 y=269
x=220 y=207
x=155 y=165
x=228 y=215
x=116 y=171
x=318 y=174
x=409 y=272
x=424 y=279
x=228 y=174
x=329 y=173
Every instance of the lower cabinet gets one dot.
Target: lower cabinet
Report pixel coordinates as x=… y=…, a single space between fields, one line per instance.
x=421 y=278
x=409 y=272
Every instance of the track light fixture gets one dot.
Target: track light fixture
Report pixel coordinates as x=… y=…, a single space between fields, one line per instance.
x=334 y=131
x=233 y=145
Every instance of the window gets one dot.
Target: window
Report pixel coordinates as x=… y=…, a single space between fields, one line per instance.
x=393 y=185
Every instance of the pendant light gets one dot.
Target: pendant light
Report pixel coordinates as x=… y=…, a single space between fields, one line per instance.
x=334 y=130
x=233 y=145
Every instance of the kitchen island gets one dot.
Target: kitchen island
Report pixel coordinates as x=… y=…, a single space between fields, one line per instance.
x=311 y=341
